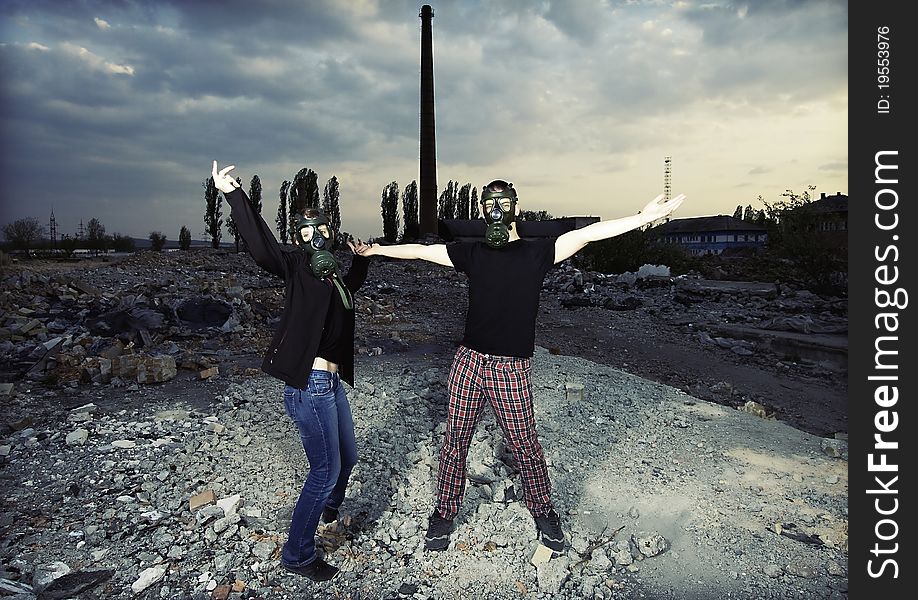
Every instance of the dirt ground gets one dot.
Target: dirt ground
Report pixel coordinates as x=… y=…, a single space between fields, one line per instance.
x=430 y=316
x=642 y=345
x=427 y=305
x=724 y=487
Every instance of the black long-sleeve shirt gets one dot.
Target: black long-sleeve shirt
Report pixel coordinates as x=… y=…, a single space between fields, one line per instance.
x=307 y=298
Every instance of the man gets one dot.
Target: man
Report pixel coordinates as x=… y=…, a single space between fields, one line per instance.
x=493 y=361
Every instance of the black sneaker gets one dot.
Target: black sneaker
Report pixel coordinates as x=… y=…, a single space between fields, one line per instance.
x=317 y=570
x=438 y=530
x=550 y=532
x=329 y=515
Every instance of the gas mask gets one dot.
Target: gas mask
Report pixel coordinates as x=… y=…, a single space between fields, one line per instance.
x=319 y=248
x=501 y=213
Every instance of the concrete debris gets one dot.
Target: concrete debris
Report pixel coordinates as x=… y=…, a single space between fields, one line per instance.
x=835 y=448
x=147 y=578
x=185 y=489
x=45 y=574
x=203 y=499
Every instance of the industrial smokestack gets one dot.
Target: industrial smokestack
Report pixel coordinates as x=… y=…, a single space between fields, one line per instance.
x=428 y=185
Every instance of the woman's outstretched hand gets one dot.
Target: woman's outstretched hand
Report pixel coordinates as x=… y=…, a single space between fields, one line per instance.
x=224 y=182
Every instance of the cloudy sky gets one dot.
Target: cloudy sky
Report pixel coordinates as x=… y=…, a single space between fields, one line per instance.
x=115 y=110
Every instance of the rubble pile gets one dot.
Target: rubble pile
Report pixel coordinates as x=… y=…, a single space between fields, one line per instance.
x=132 y=322
x=660 y=494
x=144 y=455
x=741 y=317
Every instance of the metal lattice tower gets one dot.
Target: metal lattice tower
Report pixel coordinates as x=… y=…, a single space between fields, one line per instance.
x=668 y=177
x=52 y=229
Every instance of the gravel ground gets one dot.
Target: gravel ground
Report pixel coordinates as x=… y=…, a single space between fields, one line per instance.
x=681 y=469
x=662 y=495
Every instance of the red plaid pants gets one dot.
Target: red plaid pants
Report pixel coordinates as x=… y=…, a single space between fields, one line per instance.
x=505 y=382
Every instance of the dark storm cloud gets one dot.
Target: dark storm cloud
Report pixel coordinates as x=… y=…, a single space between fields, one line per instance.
x=128 y=102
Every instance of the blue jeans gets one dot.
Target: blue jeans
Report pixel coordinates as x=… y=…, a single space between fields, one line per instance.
x=323 y=416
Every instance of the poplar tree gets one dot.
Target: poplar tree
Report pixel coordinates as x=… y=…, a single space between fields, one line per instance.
x=462 y=205
x=255 y=194
x=410 y=212
x=330 y=204
x=281 y=220
x=389 y=210
x=304 y=193
x=212 y=213
x=231 y=223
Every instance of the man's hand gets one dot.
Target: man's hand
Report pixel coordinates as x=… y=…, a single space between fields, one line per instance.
x=361 y=247
x=224 y=182
x=572 y=241
x=660 y=207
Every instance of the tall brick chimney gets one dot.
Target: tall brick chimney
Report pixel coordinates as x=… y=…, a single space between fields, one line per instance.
x=427 y=199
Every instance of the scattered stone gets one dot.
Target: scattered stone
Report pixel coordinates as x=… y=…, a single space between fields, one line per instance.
x=230 y=504
x=408 y=589
x=77 y=437
x=73 y=584
x=208 y=373
x=203 y=499
x=772 y=571
x=755 y=408
x=650 y=543
x=574 y=391
x=620 y=553
x=552 y=574
x=541 y=555
x=835 y=448
x=264 y=550
x=147 y=578
x=800 y=570
x=47 y=573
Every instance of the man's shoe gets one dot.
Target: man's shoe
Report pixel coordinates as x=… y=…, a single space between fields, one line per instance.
x=317 y=570
x=550 y=532
x=329 y=515
x=438 y=530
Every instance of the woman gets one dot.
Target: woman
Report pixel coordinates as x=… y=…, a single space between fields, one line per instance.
x=311 y=352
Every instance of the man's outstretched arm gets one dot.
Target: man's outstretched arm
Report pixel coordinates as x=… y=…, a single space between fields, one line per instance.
x=572 y=241
x=435 y=253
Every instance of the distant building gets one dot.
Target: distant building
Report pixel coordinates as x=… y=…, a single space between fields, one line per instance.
x=829 y=218
x=712 y=235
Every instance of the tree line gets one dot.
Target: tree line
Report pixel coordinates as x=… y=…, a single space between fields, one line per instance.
x=399 y=212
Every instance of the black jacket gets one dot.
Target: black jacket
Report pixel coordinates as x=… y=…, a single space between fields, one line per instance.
x=296 y=340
